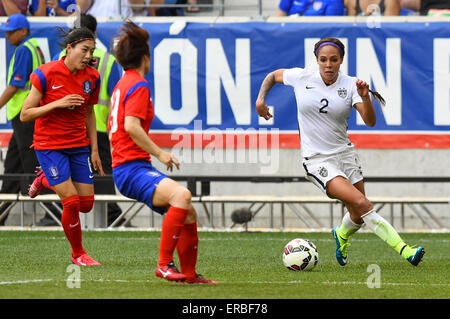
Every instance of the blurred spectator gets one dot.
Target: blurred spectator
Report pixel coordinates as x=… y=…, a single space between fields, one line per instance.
x=52 y=7
x=140 y=11
x=139 y=8
x=372 y=7
x=311 y=8
x=426 y=6
x=105 y=8
x=168 y=11
x=10 y=7
x=193 y=8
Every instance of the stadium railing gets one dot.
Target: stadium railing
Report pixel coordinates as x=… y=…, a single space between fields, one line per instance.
x=219 y=5
x=202 y=195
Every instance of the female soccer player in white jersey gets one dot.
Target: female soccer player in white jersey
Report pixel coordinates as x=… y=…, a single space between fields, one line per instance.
x=324 y=101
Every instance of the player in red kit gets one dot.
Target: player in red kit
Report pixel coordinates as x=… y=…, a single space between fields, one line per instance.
x=65 y=138
x=130 y=118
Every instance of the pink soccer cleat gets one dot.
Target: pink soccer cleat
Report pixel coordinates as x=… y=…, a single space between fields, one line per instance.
x=36 y=187
x=199 y=279
x=169 y=272
x=85 y=260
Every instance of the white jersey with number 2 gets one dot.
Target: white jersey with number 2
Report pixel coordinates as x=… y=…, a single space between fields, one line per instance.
x=322 y=110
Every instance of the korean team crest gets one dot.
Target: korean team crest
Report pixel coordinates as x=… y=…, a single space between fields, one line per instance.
x=54 y=173
x=342 y=92
x=87 y=87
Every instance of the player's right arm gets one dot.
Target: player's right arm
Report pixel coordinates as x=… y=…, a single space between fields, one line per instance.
x=270 y=80
x=32 y=110
x=133 y=127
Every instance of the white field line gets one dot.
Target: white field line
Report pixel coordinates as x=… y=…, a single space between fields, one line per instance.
x=24 y=281
x=333 y=283
x=363 y=283
x=227 y=238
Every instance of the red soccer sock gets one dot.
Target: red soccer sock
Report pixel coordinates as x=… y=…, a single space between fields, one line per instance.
x=71 y=223
x=86 y=203
x=171 y=229
x=187 y=249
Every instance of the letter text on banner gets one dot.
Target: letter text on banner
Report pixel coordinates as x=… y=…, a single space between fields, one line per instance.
x=441 y=82
x=237 y=91
x=162 y=75
x=369 y=70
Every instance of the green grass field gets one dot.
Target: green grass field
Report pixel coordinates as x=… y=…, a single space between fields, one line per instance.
x=33 y=264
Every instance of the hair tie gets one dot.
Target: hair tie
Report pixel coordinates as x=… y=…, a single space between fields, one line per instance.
x=80 y=40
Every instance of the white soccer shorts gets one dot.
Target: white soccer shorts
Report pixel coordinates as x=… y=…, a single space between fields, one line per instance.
x=320 y=169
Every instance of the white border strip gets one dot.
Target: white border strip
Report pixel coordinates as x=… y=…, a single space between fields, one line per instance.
x=410 y=284
x=244 y=19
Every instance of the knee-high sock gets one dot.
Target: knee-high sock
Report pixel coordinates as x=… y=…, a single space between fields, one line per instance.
x=348 y=227
x=71 y=223
x=86 y=203
x=171 y=229
x=187 y=249
x=384 y=230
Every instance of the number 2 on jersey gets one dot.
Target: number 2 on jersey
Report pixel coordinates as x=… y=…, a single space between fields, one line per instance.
x=324 y=105
x=115 y=99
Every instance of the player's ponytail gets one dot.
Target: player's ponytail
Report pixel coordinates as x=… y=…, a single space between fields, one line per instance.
x=132 y=45
x=378 y=97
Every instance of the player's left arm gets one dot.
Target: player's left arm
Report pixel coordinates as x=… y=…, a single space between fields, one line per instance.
x=365 y=108
x=269 y=81
x=92 y=135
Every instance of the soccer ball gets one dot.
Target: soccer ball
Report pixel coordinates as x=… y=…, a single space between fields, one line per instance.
x=300 y=254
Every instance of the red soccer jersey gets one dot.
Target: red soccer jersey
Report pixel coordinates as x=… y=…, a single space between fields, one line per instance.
x=65 y=127
x=131 y=97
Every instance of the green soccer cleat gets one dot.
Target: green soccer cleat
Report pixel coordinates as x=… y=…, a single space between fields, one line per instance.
x=412 y=254
x=341 y=247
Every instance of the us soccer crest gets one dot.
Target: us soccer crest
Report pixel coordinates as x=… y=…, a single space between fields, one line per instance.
x=87 y=87
x=342 y=92
x=317 y=5
x=323 y=172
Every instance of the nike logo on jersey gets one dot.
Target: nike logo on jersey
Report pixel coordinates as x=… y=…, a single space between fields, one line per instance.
x=309 y=87
x=57 y=87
